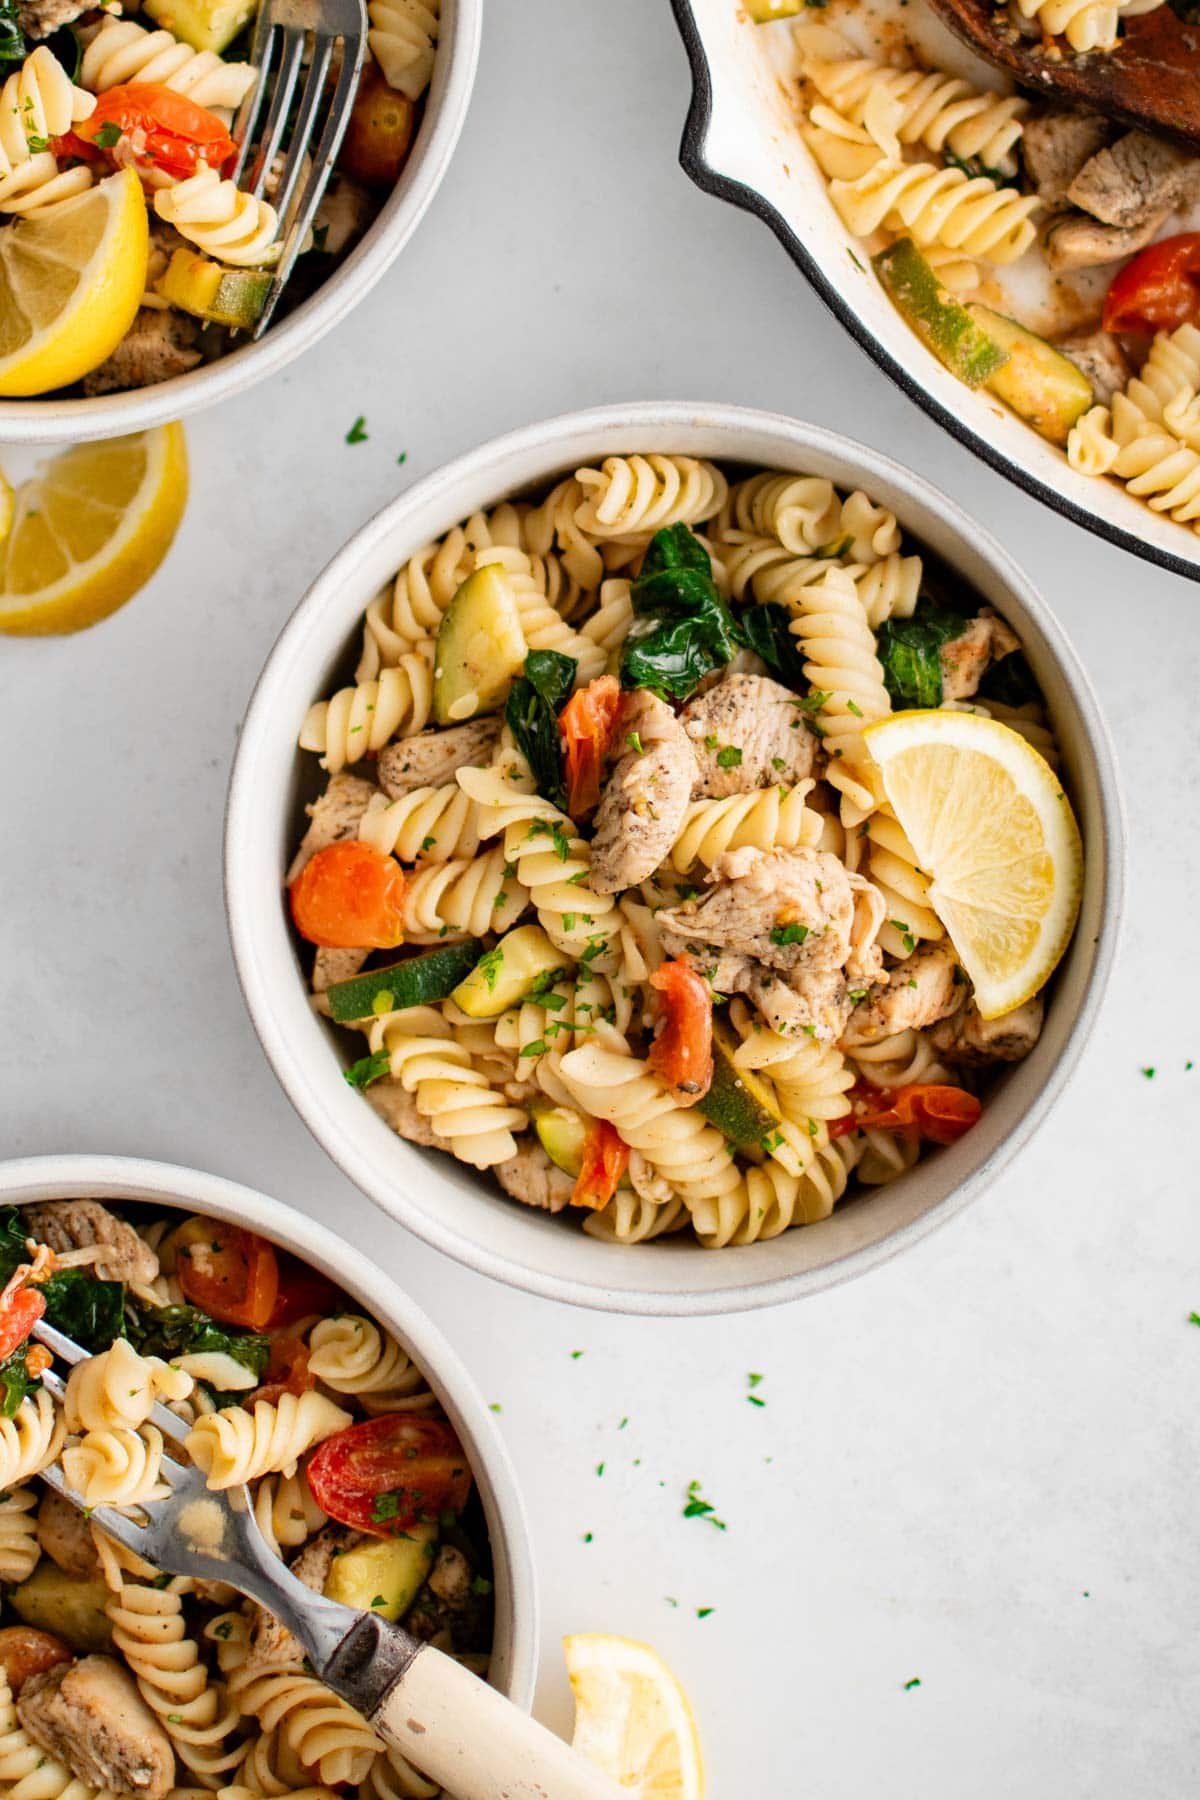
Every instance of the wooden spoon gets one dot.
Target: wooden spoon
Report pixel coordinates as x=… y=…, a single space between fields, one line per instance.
x=1150 y=78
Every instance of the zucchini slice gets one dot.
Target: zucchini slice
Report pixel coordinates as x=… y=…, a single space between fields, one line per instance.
x=233 y=297
x=419 y=981
x=1042 y=386
x=480 y=647
x=508 y=974
x=562 y=1134
x=949 y=330
x=739 y=1103
x=384 y=1575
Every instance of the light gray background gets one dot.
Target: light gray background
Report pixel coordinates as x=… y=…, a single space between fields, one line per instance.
x=976 y=1466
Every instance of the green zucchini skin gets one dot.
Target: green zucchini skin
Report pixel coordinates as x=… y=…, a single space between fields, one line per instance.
x=419 y=981
x=956 y=339
x=1042 y=386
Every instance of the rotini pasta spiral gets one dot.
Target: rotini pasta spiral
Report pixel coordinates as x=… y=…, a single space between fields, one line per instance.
x=116 y=1466
x=235 y=1444
x=30 y=1440
x=39 y=102
x=641 y=494
x=765 y=818
x=403 y=39
x=554 y=523
x=329 y=1738
x=840 y=661
x=630 y=1219
x=19 y=1550
x=1086 y=24
x=362 y=719
x=461 y=898
x=392 y=1777
x=801 y=512
x=609 y=625
x=938 y=206
x=285 y=1511
x=895 y=1061
x=432 y=824
x=458 y=1100
x=149 y=1631
x=352 y=1356
x=402 y=618
x=122 y=51
x=120 y=1387
x=28 y=1772
x=904 y=886
x=919 y=106
x=810 y=1079
x=221 y=219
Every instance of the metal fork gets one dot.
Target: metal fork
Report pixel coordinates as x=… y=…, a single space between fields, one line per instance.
x=456 y=1728
x=286 y=30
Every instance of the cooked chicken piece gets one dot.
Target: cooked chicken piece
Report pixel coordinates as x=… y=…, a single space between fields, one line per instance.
x=159 y=344
x=81 y=1224
x=450 y=1578
x=65 y=1536
x=90 y=1715
x=747 y=732
x=38 y=18
x=1077 y=242
x=335 y=815
x=925 y=987
x=335 y=965
x=1100 y=357
x=532 y=1178
x=398 y=1108
x=1136 y=178
x=641 y=809
x=1055 y=146
x=431 y=758
x=452 y=1608
x=965 y=658
x=345 y=211
x=272 y=1645
x=776 y=925
x=970 y=1039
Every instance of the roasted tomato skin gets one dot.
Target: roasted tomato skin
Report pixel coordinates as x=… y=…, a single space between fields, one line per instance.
x=605 y=1160
x=20 y=1313
x=350 y=897
x=682 y=1052
x=228 y=1272
x=587 y=728
x=1158 y=289
x=165 y=132
x=303 y=1291
x=936 y=1110
x=386 y=1475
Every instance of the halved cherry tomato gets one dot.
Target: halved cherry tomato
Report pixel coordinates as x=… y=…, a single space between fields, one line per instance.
x=605 y=1159
x=682 y=1051
x=587 y=726
x=938 y=1111
x=388 y=1474
x=229 y=1273
x=287 y=1370
x=164 y=130
x=303 y=1291
x=350 y=897
x=1158 y=289
x=18 y=1316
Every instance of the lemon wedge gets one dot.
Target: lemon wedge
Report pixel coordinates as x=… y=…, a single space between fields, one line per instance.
x=71 y=279
x=632 y=1718
x=7 y=507
x=994 y=832
x=90 y=529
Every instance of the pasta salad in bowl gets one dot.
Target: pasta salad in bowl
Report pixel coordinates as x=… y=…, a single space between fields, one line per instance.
x=1024 y=270
x=688 y=832
x=372 y=1467
x=136 y=262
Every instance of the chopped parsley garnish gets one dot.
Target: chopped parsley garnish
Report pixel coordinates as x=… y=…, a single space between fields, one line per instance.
x=371 y=1068
x=489 y=966
x=108 y=136
x=481 y=1585
x=575 y=1355
x=357 y=433
x=793 y=933
x=914 y=1683
x=599 y=1468
x=428 y=843
x=696 y=1507
x=705 y=1612
x=729 y=757
x=634 y=740
x=1148 y=1073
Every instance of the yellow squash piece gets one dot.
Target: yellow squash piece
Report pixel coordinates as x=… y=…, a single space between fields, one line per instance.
x=90 y=529
x=480 y=647
x=383 y=1575
x=993 y=830
x=71 y=280
x=204 y=24
x=632 y=1718
x=233 y=297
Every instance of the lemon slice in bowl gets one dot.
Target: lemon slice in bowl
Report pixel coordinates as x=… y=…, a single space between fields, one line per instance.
x=994 y=832
x=71 y=279
x=90 y=529
x=632 y=1718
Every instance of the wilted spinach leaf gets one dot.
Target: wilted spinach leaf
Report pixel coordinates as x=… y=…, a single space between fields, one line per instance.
x=15 y=1382
x=13 y=47
x=90 y=1311
x=685 y=629
x=532 y=717
x=12 y=1241
x=764 y=629
x=1010 y=681
x=170 y=1331
x=909 y=651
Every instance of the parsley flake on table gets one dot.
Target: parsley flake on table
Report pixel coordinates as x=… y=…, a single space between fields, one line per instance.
x=495 y=1406
x=914 y=1683
x=697 y=1507
x=587 y=1537
x=1148 y=1073
x=704 y=1612
x=357 y=433
x=599 y=1468
x=1194 y=1318
x=575 y=1355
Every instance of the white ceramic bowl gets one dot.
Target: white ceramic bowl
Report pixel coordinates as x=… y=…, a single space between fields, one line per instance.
x=449 y=1205
x=116 y=1178
x=52 y=421
x=742 y=144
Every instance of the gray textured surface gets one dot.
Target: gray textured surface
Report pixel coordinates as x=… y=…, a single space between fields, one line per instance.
x=974 y=1467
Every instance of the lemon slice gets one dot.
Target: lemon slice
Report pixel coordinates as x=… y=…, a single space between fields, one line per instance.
x=632 y=1718
x=90 y=529
x=7 y=507
x=994 y=832
x=71 y=279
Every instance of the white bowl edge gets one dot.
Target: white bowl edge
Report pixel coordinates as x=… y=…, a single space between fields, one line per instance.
x=50 y=421
x=446 y=1204
x=515 y=1647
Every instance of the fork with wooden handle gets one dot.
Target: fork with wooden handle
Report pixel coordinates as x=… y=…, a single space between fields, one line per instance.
x=458 y=1730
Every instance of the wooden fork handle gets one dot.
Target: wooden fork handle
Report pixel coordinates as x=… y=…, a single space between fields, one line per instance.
x=478 y=1745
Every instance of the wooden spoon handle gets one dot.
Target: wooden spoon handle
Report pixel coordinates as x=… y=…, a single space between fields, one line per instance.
x=478 y=1745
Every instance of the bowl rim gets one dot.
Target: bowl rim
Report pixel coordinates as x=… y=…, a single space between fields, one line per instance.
x=695 y=164
x=39 y=420
x=78 y=1175
x=338 y=580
